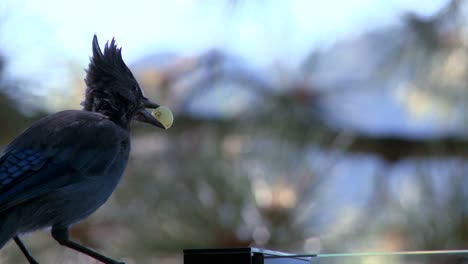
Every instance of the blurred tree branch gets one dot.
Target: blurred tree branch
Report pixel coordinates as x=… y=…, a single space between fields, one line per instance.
x=297 y=102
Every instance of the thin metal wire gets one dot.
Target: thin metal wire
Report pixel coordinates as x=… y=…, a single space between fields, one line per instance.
x=397 y=253
x=368 y=254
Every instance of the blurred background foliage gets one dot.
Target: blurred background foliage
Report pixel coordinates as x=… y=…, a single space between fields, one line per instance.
x=362 y=147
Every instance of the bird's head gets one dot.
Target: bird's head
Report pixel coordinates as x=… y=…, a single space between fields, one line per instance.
x=113 y=91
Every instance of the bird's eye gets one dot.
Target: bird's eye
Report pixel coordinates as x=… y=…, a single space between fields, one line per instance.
x=135 y=88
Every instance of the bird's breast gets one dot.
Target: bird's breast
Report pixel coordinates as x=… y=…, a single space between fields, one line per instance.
x=108 y=179
x=94 y=188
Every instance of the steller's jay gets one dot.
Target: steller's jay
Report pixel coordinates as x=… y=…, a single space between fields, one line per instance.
x=66 y=165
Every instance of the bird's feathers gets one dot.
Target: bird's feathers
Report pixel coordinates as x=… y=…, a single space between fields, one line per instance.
x=111 y=87
x=112 y=56
x=44 y=156
x=19 y=162
x=106 y=66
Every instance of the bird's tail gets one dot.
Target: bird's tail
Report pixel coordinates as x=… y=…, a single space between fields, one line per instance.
x=8 y=228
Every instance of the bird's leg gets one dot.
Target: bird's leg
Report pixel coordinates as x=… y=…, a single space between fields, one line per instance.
x=60 y=234
x=24 y=250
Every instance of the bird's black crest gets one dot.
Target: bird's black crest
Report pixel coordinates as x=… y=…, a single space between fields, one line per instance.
x=104 y=70
x=107 y=64
x=112 y=56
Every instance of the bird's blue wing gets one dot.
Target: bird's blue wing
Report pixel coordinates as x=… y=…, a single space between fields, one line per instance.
x=18 y=162
x=49 y=153
x=22 y=169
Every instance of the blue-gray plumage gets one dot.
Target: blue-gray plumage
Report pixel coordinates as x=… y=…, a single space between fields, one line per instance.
x=65 y=166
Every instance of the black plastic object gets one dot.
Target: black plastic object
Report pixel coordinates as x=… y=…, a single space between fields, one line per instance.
x=242 y=256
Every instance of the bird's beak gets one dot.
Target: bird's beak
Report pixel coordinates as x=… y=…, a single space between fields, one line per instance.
x=144 y=116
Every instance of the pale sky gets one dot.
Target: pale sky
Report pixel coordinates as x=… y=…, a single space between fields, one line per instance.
x=42 y=39
x=36 y=34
